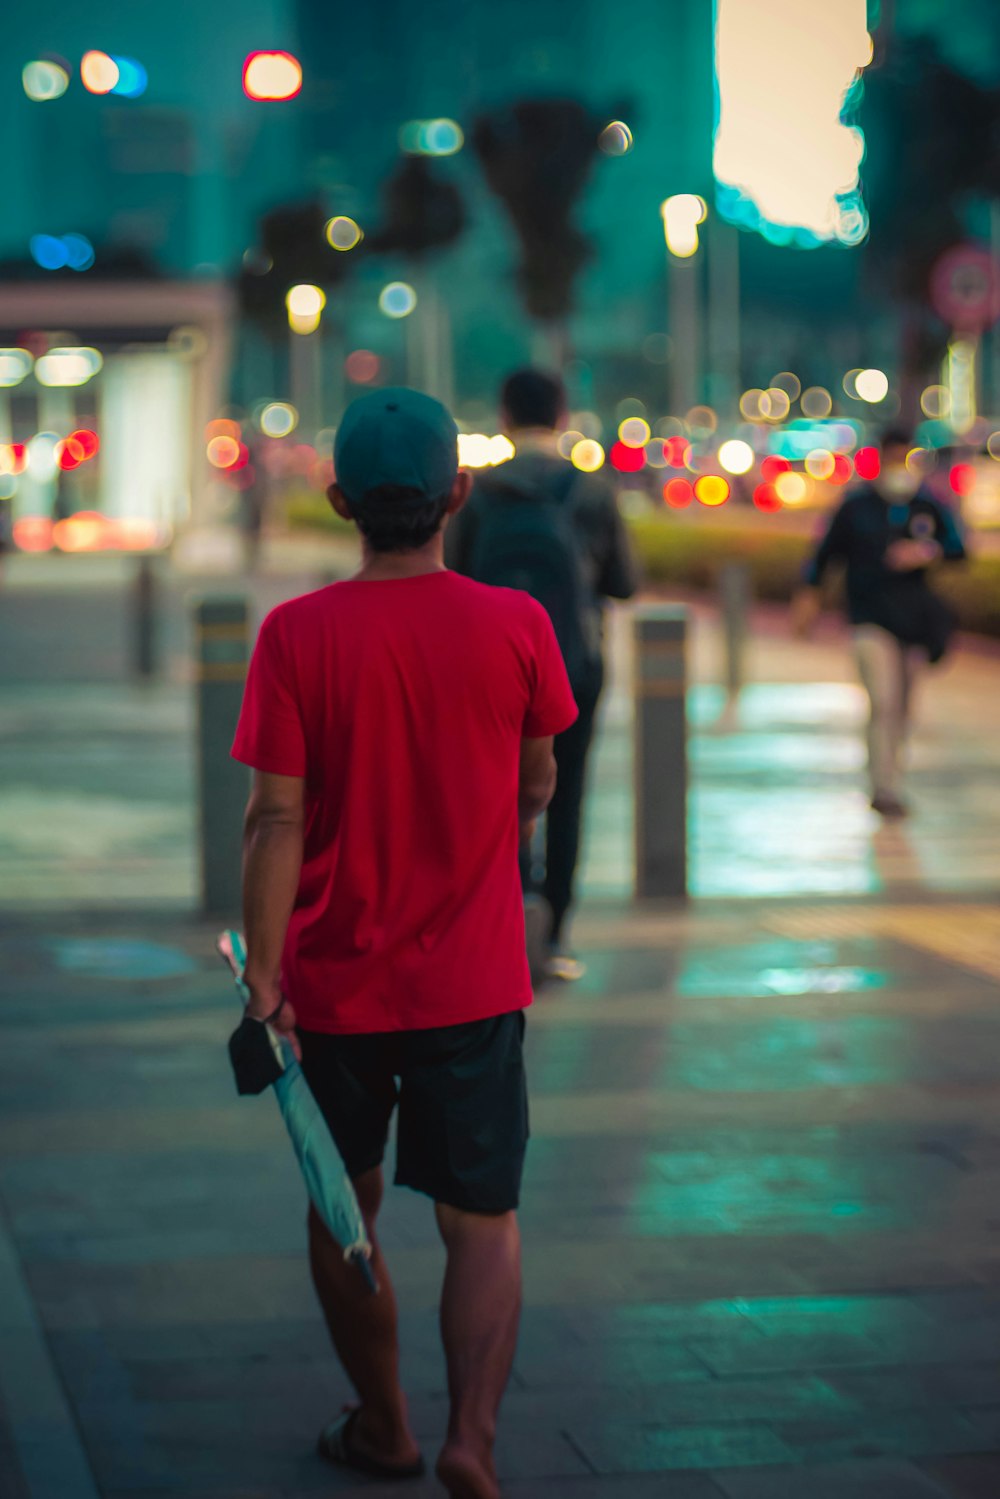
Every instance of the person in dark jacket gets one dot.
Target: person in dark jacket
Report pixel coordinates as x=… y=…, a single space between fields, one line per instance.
x=533 y=413
x=887 y=533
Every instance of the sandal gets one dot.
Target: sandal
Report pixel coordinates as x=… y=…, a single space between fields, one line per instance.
x=334 y=1444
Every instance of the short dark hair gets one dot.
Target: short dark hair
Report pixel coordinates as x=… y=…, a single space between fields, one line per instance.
x=895 y=437
x=532 y=398
x=396 y=518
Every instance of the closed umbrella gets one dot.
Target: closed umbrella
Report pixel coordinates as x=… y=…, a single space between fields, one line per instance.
x=325 y=1174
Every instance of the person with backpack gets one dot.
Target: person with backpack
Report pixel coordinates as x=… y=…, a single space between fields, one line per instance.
x=399 y=725
x=888 y=533
x=538 y=524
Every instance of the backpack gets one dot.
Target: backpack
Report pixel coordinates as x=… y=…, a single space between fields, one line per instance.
x=528 y=541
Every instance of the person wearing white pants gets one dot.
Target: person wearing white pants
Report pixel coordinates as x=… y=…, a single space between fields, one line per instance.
x=887 y=534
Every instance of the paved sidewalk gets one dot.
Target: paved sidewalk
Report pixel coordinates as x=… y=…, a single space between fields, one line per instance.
x=762 y=1255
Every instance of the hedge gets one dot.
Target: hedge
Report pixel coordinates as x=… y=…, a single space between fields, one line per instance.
x=686 y=554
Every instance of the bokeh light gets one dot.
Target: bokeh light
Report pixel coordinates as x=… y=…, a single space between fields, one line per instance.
x=816 y=402
x=871 y=386
x=788 y=382
x=820 y=464
x=587 y=455
x=305 y=304
x=848 y=382
x=272 y=76
x=678 y=451
x=772 y=466
x=678 y=493
x=634 y=432
x=223 y=427
x=362 y=366
x=44 y=80
x=223 y=452
x=567 y=441
x=431 y=138
x=397 y=300
x=766 y=498
x=343 y=233
x=791 y=488
x=68 y=367
x=278 y=419
x=33 y=533
x=627 y=460
x=867 y=463
x=962 y=478
x=736 y=456
x=842 y=469
x=754 y=405
x=711 y=490
x=992 y=442
x=702 y=421
x=681 y=216
x=99 y=73
x=615 y=139
x=778 y=405
x=15 y=365
x=656 y=454
x=935 y=402
x=133 y=79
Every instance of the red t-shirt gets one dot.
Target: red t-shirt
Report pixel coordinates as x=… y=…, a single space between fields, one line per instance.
x=403 y=704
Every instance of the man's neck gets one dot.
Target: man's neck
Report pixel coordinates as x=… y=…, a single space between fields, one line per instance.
x=384 y=567
x=534 y=439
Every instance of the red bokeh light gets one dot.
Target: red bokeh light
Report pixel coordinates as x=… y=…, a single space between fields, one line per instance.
x=362 y=366
x=842 y=469
x=33 y=533
x=867 y=463
x=766 y=498
x=678 y=493
x=772 y=466
x=87 y=441
x=15 y=457
x=70 y=453
x=627 y=460
x=677 y=451
x=962 y=478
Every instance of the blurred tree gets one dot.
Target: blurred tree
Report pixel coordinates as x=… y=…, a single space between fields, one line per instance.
x=933 y=156
x=293 y=248
x=536 y=156
x=422 y=212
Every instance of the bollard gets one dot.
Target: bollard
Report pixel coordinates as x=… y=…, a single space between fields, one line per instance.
x=221 y=654
x=144 y=618
x=660 y=752
x=734 y=607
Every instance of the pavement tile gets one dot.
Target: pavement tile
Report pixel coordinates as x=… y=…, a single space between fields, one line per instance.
x=880 y=1433
x=623 y=1447
x=854 y=1480
x=972 y=1477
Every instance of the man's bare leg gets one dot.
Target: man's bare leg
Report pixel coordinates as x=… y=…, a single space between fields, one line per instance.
x=480 y=1312
x=364 y=1330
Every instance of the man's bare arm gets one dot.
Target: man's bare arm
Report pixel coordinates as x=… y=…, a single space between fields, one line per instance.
x=537 y=778
x=272 y=861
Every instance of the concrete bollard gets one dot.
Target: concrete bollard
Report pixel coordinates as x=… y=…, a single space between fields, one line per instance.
x=734 y=608
x=660 y=752
x=221 y=655
x=143 y=621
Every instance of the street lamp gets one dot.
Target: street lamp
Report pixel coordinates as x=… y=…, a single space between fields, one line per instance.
x=681 y=216
x=305 y=305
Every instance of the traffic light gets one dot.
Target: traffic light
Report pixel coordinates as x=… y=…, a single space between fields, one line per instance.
x=294 y=250
x=422 y=211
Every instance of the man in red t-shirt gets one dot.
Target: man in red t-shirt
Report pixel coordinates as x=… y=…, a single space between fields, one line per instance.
x=400 y=729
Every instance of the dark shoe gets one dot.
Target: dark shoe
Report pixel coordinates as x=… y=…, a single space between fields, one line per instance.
x=890 y=807
x=537 y=927
x=336 y=1446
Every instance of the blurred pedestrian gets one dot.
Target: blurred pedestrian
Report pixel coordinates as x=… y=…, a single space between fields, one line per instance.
x=537 y=523
x=400 y=729
x=888 y=533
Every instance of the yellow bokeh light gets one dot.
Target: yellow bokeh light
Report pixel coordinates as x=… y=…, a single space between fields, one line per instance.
x=935 y=402
x=871 y=386
x=754 y=405
x=635 y=432
x=222 y=452
x=778 y=404
x=820 y=463
x=919 y=461
x=305 y=305
x=278 y=419
x=711 y=490
x=736 y=456
x=681 y=216
x=272 y=76
x=791 y=488
x=344 y=233
x=781 y=140
x=993 y=445
x=816 y=402
x=567 y=441
x=788 y=382
x=587 y=455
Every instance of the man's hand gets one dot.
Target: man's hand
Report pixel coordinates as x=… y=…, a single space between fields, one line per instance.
x=907 y=555
x=527 y=829
x=804 y=612
x=264 y=1000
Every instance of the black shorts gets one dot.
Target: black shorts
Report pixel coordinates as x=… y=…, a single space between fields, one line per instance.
x=463 y=1106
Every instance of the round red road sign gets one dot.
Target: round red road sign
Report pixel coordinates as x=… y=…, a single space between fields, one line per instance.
x=965 y=288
